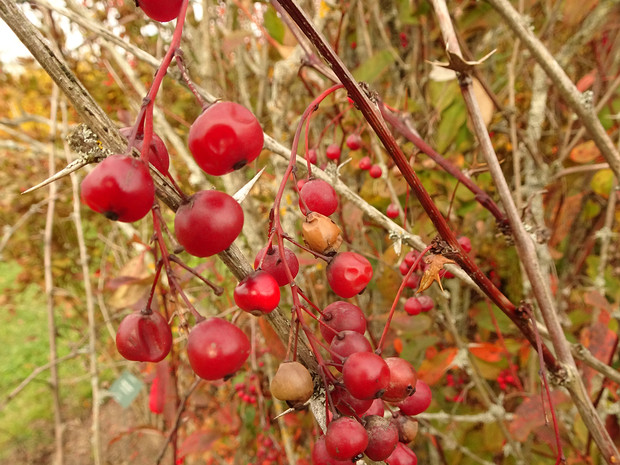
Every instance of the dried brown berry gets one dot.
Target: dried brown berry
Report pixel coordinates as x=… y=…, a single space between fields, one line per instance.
x=292 y=383
x=321 y=234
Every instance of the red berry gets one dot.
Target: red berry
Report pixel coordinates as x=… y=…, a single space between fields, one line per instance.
x=465 y=243
x=157 y=395
x=375 y=171
x=354 y=141
x=382 y=437
x=345 y=439
x=225 y=137
x=426 y=303
x=257 y=293
x=419 y=401
x=402 y=380
x=208 y=223
x=347 y=343
x=365 y=375
x=377 y=408
x=410 y=259
x=158 y=153
x=392 y=211
x=413 y=306
x=402 y=455
x=120 y=187
x=311 y=156
x=320 y=456
x=273 y=264
x=340 y=316
x=365 y=163
x=348 y=274
x=333 y=151
x=144 y=337
x=160 y=10
x=217 y=349
x=347 y=404
x=319 y=197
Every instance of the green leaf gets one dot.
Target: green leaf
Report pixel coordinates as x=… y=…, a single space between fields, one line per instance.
x=374 y=67
x=451 y=121
x=602 y=182
x=274 y=25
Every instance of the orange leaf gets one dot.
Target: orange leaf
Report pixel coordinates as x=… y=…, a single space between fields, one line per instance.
x=585 y=152
x=398 y=345
x=487 y=351
x=432 y=370
x=435 y=265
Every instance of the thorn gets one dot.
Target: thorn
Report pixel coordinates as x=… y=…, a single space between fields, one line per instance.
x=70 y=168
x=287 y=411
x=242 y=193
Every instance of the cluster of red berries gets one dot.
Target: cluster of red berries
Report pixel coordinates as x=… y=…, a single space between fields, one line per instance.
x=267 y=452
x=246 y=392
x=505 y=379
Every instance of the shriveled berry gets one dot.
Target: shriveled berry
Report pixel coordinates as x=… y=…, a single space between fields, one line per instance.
x=272 y=263
x=217 y=348
x=224 y=138
x=144 y=337
x=333 y=151
x=321 y=234
x=292 y=383
x=318 y=196
x=208 y=223
x=341 y=316
x=120 y=187
x=407 y=427
x=345 y=439
x=365 y=375
x=348 y=274
x=257 y=293
x=382 y=437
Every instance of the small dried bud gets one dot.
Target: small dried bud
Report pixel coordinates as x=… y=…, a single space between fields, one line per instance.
x=321 y=234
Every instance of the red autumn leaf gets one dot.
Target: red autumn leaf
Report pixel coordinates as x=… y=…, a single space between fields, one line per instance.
x=196 y=443
x=271 y=339
x=601 y=342
x=586 y=81
x=487 y=351
x=432 y=370
x=531 y=415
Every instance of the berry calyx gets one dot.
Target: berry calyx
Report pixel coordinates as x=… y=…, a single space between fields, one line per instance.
x=333 y=151
x=120 y=187
x=225 y=137
x=318 y=196
x=341 y=316
x=345 y=439
x=375 y=171
x=365 y=375
x=272 y=264
x=217 y=349
x=257 y=293
x=144 y=337
x=348 y=274
x=354 y=141
x=208 y=223
x=161 y=10
x=419 y=401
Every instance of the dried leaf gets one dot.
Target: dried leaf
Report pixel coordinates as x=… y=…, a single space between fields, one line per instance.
x=197 y=442
x=585 y=152
x=431 y=370
x=435 y=265
x=458 y=64
x=530 y=415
